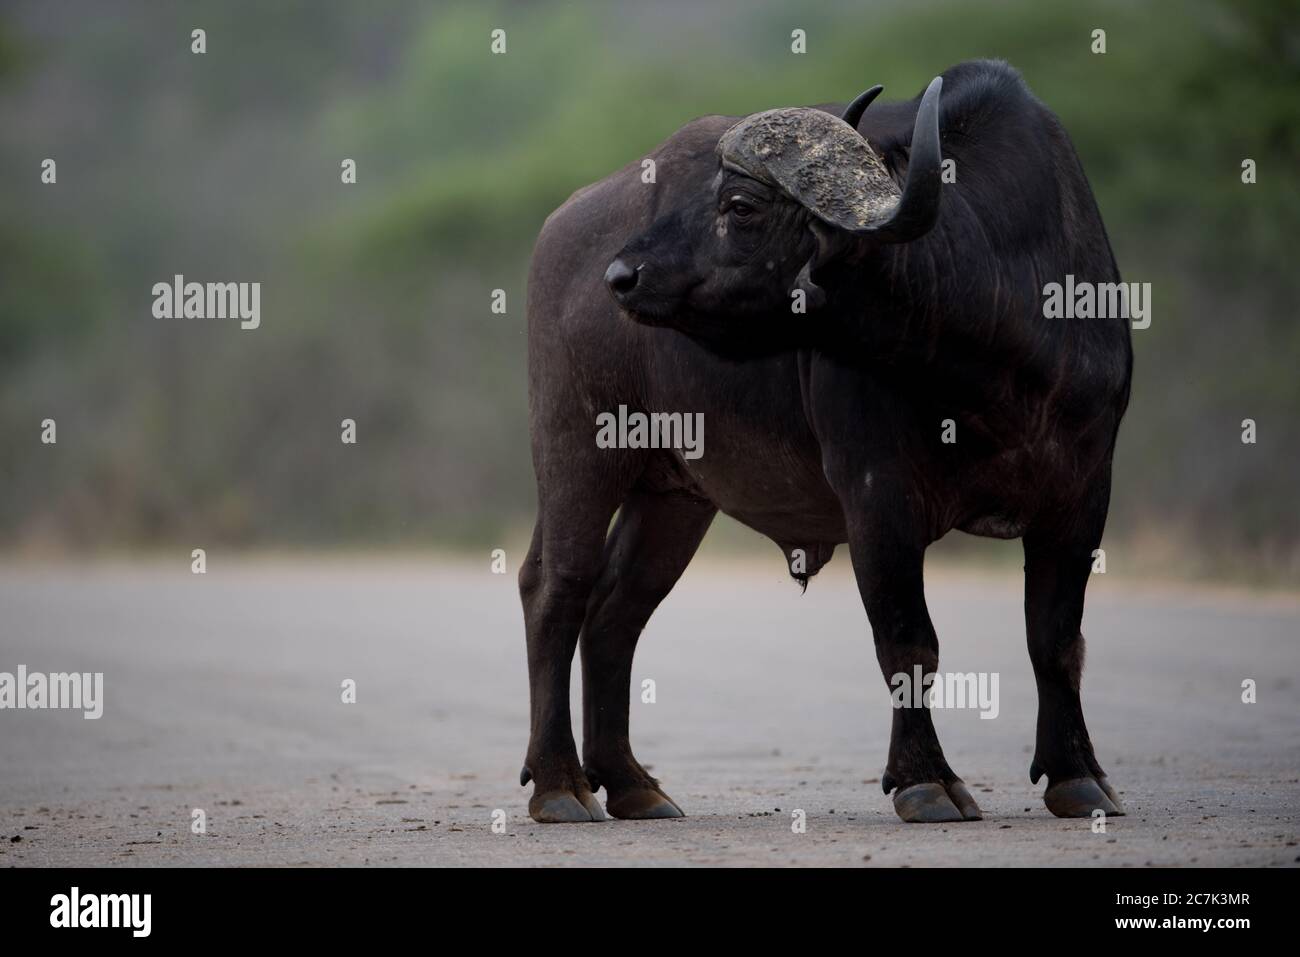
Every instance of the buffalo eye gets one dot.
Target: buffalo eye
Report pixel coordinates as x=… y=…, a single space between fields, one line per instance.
x=741 y=212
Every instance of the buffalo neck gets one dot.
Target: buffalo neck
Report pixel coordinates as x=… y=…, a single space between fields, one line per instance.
x=950 y=315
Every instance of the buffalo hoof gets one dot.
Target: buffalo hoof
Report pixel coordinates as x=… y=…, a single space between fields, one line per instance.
x=1080 y=797
x=1112 y=794
x=934 y=804
x=961 y=796
x=642 y=804
x=564 y=807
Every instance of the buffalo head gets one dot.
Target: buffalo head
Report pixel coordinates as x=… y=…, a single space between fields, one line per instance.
x=796 y=192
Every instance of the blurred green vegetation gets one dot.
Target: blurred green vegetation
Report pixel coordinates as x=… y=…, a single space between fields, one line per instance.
x=375 y=296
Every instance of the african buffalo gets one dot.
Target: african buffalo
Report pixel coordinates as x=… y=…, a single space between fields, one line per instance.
x=866 y=340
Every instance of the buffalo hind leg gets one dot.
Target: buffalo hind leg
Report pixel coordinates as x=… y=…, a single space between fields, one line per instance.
x=652 y=542
x=888 y=556
x=1057 y=567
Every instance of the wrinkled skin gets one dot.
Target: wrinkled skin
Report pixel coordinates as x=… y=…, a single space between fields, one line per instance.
x=822 y=428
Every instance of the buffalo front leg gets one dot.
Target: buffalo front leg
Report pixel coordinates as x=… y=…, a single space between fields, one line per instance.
x=1057 y=567
x=555 y=582
x=653 y=541
x=887 y=560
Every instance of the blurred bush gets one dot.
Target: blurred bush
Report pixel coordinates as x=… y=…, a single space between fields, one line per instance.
x=375 y=296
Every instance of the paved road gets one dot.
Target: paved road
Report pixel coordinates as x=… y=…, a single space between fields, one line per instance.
x=222 y=692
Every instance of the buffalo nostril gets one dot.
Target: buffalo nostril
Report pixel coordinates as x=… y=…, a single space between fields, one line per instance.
x=620 y=277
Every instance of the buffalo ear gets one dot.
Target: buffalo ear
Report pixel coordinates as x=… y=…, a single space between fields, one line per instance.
x=832 y=244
